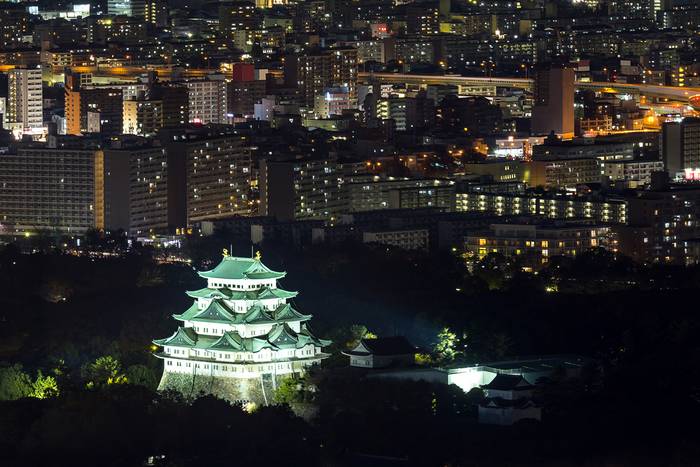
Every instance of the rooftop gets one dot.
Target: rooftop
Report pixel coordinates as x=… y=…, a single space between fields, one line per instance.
x=397 y=345
x=235 y=267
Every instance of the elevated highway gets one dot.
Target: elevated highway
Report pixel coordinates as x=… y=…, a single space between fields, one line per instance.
x=678 y=94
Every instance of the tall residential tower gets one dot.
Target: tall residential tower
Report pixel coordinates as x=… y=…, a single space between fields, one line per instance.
x=554 y=101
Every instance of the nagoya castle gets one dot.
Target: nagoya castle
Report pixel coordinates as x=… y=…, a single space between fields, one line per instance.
x=240 y=336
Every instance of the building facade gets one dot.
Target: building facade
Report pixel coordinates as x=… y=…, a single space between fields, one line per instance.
x=207 y=101
x=213 y=167
x=554 y=101
x=24 y=101
x=536 y=243
x=604 y=210
x=52 y=189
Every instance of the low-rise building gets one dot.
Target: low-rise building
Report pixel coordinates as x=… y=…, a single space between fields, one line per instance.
x=407 y=239
x=508 y=400
x=536 y=243
x=382 y=352
x=634 y=173
x=563 y=172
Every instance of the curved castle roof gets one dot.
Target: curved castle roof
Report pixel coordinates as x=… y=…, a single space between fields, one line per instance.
x=235 y=267
x=281 y=336
x=217 y=311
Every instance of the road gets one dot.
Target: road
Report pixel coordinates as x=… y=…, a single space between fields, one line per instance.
x=681 y=94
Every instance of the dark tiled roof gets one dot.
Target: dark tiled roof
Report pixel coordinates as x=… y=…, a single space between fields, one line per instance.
x=397 y=345
x=507 y=382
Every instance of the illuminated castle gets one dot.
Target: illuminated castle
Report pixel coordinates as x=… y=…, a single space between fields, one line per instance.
x=239 y=337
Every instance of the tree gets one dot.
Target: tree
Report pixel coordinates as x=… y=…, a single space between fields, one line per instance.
x=44 y=387
x=104 y=371
x=499 y=345
x=357 y=333
x=142 y=375
x=56 y=290
x=494 y=269
x=14 y=383
x=446 y=347
x=290 y=391
x=150 y=276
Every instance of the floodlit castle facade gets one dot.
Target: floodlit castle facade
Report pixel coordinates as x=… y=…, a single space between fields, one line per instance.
x=240 y=335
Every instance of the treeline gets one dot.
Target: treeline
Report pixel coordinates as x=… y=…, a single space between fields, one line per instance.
x=125 y=425
x=61 y=316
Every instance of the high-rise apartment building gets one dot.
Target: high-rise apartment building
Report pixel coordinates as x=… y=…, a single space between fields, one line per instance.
x=156 y=12
x=207 y=100
x=305 y=189
x=235 y=17
x=680 y=147
x=243 y=95
x=58 y=189
x=311 y=74
x=24 y=112
x=143 y=117
x=136 y=188
x=209 y=174
x=92 y=109
x=126 y=7
x=553 y=109
x=175 y=100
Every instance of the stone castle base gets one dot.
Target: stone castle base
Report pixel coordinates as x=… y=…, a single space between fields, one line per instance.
x=260 y=391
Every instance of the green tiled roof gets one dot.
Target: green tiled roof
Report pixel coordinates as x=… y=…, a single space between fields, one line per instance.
x=286 y=312
x=267 y=292
x=261 y=294
x=183 y=337
x=231 y=341
x=189 y=313
x=255 y=315
x=256 y=344
x=210 y=293
x=305 y=333
x=232 y=267
x=216 y=312
x=281 y=336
